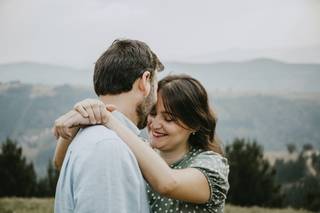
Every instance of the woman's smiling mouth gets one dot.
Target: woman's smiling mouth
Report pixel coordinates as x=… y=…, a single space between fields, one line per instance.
x=157 y=134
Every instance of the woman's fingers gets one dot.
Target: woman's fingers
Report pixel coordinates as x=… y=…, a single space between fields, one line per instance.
x=61 y=124
x=85 y=109
x=91 y=114
x=111 y=107
x=74 y=120
x=79 y=108
x=85 y=113
x=63 y=133
x=93 y=109
x=96 y=111
x=66 y=121
x=103 y=114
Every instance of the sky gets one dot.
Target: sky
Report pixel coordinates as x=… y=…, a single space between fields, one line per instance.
x=76 y=32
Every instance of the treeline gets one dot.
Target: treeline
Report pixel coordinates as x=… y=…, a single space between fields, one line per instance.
x=300 y=178
x=288 y=183
x=253 y=180
x=18 y=177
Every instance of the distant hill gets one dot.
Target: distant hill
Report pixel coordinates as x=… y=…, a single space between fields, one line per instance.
x=307 y=54
x=262 y=75
x=28 y=112
x=48 y=74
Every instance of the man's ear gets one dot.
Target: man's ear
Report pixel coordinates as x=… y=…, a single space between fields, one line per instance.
x=145 y=83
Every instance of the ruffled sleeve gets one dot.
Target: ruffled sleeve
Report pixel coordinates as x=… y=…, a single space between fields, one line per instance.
x=216 y=169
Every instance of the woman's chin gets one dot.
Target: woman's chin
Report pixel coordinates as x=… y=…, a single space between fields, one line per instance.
x=156 y=144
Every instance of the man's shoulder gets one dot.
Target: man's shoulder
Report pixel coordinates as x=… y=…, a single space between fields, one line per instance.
x=98 y=141
x=91 y=135
x=97 y=132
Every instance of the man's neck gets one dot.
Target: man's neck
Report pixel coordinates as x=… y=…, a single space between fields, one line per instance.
x=124 y=103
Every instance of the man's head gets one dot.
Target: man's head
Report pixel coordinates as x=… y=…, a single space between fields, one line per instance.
x=122 y=65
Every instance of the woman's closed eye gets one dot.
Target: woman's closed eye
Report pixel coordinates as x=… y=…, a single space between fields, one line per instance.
x=168 y=117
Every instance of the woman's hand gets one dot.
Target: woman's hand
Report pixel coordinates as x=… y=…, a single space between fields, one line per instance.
x=95 y=110
x=86 y=112
x=67 y=125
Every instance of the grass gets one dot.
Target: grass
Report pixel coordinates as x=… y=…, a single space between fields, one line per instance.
x=26 y=205
x=45 y=205
x=236 y=209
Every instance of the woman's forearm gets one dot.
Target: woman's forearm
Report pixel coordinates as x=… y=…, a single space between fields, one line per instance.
x=62 y=147
x=60 y=152
x=156 y=171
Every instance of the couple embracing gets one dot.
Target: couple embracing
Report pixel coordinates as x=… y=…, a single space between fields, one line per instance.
x=106 y=166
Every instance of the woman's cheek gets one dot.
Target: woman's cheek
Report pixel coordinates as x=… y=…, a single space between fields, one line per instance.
x=149 y=122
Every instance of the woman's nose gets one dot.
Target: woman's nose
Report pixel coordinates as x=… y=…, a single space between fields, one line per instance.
x=155 y=123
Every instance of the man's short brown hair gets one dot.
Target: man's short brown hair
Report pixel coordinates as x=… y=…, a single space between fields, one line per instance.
x=121 y=64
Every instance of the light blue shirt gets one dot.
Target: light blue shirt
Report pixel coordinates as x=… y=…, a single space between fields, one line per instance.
x=101 y=174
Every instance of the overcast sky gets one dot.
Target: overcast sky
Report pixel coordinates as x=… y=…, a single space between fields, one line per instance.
x=75 y=32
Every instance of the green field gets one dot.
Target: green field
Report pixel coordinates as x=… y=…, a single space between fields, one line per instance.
x=35 y=205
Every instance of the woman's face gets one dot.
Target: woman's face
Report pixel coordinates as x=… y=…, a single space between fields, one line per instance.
x=165 y=134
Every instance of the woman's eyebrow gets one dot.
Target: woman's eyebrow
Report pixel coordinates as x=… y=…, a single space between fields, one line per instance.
x=166 y=113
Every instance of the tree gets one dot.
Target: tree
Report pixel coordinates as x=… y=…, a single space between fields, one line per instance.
x=290 y=171
x=301 y=186
x=17 y=177
x=311 y=198
x=252 y=179
x=47 y=185
x=291 y=148
x=307 y=147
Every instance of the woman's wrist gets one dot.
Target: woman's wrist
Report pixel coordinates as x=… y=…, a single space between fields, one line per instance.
x=111 y=123
x=72 y=133
x=65 y=140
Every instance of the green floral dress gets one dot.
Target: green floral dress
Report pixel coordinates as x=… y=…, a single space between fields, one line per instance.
x=214 y=167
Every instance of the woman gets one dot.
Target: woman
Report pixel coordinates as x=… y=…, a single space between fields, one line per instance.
x=185 y=170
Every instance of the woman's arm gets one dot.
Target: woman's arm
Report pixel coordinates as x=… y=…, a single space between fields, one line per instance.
x=62 y=147
x=184 y=184
x=65 y=128
x=67 y=125
x=60 y=152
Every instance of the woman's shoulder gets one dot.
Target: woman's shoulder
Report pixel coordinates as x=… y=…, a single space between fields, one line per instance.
x=211 y=161
x=216 y=169
x=210 y=156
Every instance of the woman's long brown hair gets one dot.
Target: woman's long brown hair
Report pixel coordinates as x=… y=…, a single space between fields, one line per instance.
x=186 y=101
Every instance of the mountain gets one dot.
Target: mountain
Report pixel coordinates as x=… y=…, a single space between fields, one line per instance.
x=263 y=75
x=28 y=113
x=307 y=54
x=48 y=74
x=277 y=103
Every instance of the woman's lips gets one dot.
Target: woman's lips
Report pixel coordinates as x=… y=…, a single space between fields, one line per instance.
x=158 y=134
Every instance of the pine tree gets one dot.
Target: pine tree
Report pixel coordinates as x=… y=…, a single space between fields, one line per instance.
x=17 y=176
x=252 y=179
x=47 y=185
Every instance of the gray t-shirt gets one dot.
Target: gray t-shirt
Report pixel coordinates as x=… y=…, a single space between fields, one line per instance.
x=101 y=174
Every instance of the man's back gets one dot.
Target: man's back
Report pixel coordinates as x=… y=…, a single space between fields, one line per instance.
x=100 y=174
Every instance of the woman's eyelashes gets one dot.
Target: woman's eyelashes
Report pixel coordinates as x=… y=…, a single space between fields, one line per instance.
x=168 y=117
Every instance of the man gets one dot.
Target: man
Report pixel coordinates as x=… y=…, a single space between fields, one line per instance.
x=99 y=172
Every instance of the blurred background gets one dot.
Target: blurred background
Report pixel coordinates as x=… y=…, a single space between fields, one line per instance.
x=259 y=61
